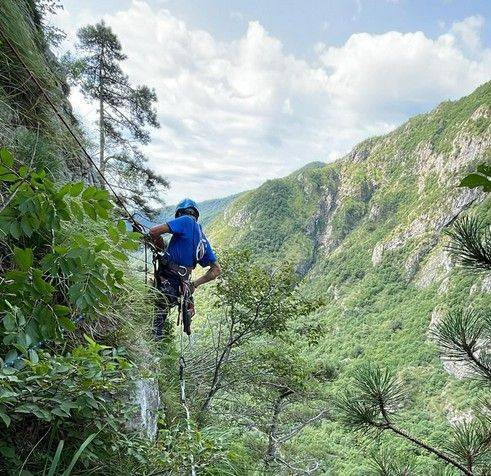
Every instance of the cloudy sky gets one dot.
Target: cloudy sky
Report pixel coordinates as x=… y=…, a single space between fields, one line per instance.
x=254 y=89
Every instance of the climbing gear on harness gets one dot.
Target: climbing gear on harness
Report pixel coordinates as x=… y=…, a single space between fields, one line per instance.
x=187 y=203
x=165 y=271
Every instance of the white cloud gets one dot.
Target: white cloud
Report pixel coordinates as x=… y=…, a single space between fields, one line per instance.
x=236 y=15
x=381 y=79
x=468 y=31
x=236 y=113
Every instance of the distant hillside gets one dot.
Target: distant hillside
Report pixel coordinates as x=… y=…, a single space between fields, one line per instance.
x=209 y=209
x=367 y=234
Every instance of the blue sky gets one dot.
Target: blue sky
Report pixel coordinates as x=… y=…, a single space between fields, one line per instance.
x=250 y=90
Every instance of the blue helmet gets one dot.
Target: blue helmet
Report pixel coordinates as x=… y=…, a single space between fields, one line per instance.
x=185 y=204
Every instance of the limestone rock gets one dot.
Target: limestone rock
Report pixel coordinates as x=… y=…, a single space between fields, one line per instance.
x=455 y=417
x=239 y=219
x=437 y=267
x=147 y=399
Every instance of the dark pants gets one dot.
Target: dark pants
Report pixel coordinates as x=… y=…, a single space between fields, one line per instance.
x=169 y=287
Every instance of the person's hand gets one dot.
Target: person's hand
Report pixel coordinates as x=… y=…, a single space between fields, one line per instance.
x=157 y=241
x=192 y=287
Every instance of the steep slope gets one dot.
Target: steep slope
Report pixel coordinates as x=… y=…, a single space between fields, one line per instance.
x=367 y=233
x=28 y=125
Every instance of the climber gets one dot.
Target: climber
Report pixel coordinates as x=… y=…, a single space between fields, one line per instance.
x=188 y=247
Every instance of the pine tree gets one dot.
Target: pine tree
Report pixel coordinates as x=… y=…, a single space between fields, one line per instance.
x=125 y=113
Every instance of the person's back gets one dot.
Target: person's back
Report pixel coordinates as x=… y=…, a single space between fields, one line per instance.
x=188 y=245
x=187 y=248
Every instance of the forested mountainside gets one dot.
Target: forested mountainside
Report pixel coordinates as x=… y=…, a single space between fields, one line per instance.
x=367 y=234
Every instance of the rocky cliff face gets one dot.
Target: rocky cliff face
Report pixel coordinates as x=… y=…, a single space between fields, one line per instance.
x=28 y=126
x=367 y=233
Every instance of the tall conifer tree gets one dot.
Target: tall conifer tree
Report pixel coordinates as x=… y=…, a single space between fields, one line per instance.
x=126 y=113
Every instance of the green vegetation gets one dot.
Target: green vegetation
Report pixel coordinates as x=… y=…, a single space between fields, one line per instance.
x=395 y=194
x=330 y=275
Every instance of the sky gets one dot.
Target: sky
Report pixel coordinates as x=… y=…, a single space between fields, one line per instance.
x=250 y=90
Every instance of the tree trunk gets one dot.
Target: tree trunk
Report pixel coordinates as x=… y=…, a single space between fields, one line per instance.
x=272 y=451
x=102 y=135
x=215 y=380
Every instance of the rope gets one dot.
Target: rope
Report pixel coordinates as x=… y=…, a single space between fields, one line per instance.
x=145 y=246
x=182 y=389
x=138 y=226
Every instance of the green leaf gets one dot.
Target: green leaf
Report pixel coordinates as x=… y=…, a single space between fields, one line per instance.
x=67 y=323
x=65 y=189
x=484 y=169
x=76 y=189
x=119 y=276
x=77 y=253
x=8 y=177
x=40 y=285
x=61 y=310
x=26 y=226
x=23 y=258
x=89 y=192
x=76 y=210
x=23 y=171
x=113 y=234
x=122 y=226
x=102 y=247
x=475 y=180
x=9 y=323
x=56 y=459
x=11 y=356
x=102 y=212
x=76 y=456
x=15 y=230
x=35 y=410
x=104 y=203
x=89 y=210
x=119 y=255
x=6 y=157
x=19 y=277
x=5 y=418
x=33 y=356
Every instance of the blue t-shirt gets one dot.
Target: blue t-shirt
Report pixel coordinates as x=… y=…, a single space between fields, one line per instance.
x=183 y=246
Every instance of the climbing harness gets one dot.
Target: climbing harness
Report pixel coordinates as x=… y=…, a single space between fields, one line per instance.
x=163 y=269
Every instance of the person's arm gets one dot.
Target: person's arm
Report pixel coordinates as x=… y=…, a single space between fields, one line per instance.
x=212 y=273
x=156 y=233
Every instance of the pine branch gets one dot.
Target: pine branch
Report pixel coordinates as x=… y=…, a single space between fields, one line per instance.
x=377 y=395
x=471 y=243
x=465 y=336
